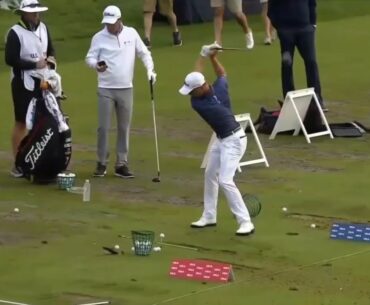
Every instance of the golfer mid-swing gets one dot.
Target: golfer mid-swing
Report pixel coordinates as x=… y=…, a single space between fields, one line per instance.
x=212 y=102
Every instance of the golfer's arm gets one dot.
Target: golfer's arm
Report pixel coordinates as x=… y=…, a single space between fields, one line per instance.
x=199 y=64
x=217 y=66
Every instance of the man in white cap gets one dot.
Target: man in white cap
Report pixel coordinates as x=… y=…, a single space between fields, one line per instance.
x=212 y=103
x=28 y=44
x=112 y=54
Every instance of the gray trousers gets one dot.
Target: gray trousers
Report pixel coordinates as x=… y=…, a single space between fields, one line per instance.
x=122 y=101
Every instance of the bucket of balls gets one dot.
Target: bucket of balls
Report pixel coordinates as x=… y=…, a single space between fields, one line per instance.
x=65 y=180
x=143 y=242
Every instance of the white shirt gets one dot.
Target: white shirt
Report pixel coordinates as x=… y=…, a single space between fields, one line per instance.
x=119 y=53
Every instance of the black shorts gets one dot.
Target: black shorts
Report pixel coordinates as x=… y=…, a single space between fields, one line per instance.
x=22 y=98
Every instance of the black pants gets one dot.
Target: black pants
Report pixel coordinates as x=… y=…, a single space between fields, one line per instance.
x=304 y=40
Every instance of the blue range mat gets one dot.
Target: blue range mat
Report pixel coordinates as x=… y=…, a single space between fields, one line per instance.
x=350 y=231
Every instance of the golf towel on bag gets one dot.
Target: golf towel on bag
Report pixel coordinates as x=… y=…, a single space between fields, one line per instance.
x=46 y=150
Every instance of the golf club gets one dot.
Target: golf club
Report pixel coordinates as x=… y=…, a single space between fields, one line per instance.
x=167 y=244
x=230 y=49
x=10 y=302
x=98 y=303
x=155 y=179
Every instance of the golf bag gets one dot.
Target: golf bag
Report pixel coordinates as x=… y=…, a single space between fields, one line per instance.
x=267 y=119
x=46 y=150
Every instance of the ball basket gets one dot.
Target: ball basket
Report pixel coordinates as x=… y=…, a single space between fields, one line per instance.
x=253 y=204
x=143 y=242
x=65 y=180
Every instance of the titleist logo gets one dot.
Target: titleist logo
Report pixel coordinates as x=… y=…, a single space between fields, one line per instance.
x=37 y=149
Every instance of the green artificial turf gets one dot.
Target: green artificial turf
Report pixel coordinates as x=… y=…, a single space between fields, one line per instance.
x=51 y=251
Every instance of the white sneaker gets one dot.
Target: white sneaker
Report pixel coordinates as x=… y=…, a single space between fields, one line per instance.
x=246 y=228
x=202 y=223
x=267 y=41
x=250 y=40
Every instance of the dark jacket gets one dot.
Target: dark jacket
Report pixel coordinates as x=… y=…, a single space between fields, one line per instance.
x=286 y=14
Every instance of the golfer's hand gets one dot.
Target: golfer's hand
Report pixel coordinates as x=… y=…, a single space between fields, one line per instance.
x=41 y=64
x=152 y=76
x=205 y=51
x=101 y=68
x=210 y=50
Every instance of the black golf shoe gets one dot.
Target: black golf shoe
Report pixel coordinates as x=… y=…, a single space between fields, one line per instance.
x=123 y=172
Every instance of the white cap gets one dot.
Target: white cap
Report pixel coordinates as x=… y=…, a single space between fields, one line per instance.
x=192 y=81
x=31 y=6
x=111 y=14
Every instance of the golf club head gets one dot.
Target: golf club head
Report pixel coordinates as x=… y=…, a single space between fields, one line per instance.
x=110 y=250
x=156 y=179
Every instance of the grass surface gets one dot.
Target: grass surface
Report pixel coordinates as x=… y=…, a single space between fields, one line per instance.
x=50 y=252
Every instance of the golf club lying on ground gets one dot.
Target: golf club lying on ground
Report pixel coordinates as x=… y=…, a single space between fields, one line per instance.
x=97 y=303
x=155 y=179
x=10 y=302
x=167 y=244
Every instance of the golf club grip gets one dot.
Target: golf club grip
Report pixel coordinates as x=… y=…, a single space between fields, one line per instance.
x=229 y=49
x=151 y=88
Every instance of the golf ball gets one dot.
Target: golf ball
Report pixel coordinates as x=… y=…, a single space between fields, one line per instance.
x=116 y=247
x=161 y=235
x=284 y=209
x=157 y=249
x=132 y=248
x=313 y=226
x=16 y=210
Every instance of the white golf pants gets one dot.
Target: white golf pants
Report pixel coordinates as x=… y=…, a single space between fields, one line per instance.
x=224 y=157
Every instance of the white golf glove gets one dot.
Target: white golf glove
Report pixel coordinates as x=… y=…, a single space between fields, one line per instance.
x=152 y=76
x=210 y=49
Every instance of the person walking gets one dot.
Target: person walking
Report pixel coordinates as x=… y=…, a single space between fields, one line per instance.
x=269 y=29
x=212 y=103
x=28 y=44
x=295 y=22
x=166 y=9
x=112 y=54
x=236 y=8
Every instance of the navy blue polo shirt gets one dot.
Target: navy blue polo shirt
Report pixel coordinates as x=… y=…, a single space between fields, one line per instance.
x=215 y=108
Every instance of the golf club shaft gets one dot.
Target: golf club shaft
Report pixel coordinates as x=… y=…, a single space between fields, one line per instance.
x=13 y=303
x=155 y=126
x=230 y=49
x=168 y=244
x=178 y=246
x=98 y=303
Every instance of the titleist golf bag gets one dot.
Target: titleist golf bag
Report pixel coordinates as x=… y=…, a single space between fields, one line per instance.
x=46 y=150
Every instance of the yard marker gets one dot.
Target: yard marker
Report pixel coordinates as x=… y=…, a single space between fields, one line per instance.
x=13 y=303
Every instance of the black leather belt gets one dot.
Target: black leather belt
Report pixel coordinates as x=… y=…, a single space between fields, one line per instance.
x=228 y=134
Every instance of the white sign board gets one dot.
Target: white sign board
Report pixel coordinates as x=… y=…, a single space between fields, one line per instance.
x=293 y=112
x=244 y=120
